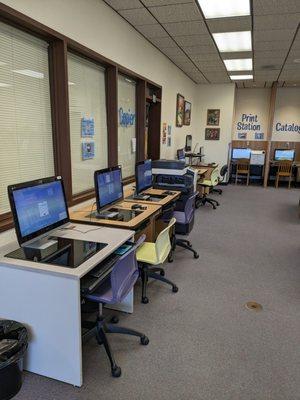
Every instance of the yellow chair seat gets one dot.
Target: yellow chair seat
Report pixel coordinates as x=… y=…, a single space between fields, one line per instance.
x=147 y=253
x=206 y=182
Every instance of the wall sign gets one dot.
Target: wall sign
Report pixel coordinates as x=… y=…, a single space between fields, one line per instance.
x=279 y=127
x=249 y=123
x=126 y=118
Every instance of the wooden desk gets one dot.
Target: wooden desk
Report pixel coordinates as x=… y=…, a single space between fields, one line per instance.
x=149 y=215
x=201 y=171
x=162 y=202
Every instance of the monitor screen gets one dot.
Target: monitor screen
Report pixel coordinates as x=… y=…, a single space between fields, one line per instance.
x=38 y=207
x=281 y=155
x=143 y=175
x=109 y=186
x=180 y=154
x=241 y=153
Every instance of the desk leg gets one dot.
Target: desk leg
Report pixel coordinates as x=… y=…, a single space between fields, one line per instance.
x=49 y=306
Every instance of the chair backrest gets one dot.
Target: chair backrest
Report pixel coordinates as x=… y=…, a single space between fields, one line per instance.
x=224 y=170
x=125 y=272
x=243 y=165
x=285 y=167
x=215 y=176
x=163 y=242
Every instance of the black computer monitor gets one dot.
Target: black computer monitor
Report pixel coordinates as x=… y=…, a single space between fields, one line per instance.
x=241 y=153
x=143 y=175
x=181 y=154
x=38 y=207
x=108 y=186
x=284 y=155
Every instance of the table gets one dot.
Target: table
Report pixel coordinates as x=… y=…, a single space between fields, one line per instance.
x=154 y=192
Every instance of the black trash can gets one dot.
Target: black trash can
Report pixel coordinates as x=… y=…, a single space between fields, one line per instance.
x=13 y=344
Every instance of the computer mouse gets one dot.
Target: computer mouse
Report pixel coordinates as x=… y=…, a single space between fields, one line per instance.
x=135 y=206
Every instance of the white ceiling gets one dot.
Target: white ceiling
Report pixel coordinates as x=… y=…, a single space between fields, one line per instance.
x=178 y=29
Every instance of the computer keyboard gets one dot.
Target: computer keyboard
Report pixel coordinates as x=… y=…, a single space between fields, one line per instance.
x=105 y=265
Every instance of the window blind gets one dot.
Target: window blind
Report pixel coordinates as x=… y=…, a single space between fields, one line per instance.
x=126 y=125
x=87 y=101
x=26 y=151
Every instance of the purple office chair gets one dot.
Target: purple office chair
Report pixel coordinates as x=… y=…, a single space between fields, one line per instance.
x=184 y=225
x=113 y=290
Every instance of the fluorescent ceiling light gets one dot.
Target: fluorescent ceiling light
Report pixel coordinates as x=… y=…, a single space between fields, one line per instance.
x=224 y=8
x=29 y=72
x=4 y=84
x=240 y=64
x=233 y=41
x=240 y=77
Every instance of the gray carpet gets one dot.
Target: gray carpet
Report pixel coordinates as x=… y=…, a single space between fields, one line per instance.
x=204 y=344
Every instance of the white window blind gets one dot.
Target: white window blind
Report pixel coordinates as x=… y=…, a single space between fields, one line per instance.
x=87 y=100
x=126 y=125
x=26 y=150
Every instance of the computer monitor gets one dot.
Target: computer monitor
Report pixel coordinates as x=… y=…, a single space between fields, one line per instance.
x=241 y=153
x=143 y=175
x=108 y=186
x=181 y=154
x=284 y=154
x=38 y=207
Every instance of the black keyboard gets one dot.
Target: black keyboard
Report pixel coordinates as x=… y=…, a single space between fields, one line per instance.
x=89 y=282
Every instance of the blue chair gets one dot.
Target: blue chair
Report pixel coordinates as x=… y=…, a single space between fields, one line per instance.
x=184 y=225
x=113 y=290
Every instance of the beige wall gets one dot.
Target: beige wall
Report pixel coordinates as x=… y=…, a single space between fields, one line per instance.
x=98 y=27
x=287 y=111
x=251 y=105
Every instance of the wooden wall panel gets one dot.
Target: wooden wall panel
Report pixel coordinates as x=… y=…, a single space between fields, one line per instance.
x=251 y=144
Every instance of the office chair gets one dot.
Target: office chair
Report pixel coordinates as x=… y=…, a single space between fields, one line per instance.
x=284 y=170
x=223 y=172
x=242 y=168
x=208 y=183
x=155 y=254
x=113 y=290
x=184 y=225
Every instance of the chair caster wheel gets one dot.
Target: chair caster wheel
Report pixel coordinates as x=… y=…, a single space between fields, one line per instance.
x=144 y=340
x=114 y=319
x=162 y=273
x=189 y=244
x=174 y=289
x=145 y=300
x=214 y=207
x=116 y=372
x=170 y=259
x=196 y=255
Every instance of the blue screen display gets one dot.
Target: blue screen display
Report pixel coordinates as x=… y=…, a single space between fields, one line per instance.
x=109 y=187
x=284 y=155
x=39 y=206
x=181 y=155
x=144 y=176
x=241 y=153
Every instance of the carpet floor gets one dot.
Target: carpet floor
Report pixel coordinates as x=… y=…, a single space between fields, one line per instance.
x=204 y=343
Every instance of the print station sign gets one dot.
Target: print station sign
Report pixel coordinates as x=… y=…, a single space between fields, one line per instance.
x=249 y=122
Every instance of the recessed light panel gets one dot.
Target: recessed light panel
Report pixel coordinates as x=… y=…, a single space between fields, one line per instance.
x=240 y=77
x=241 y=64
x=224 y=8
x=233 y=41
x=29 y=72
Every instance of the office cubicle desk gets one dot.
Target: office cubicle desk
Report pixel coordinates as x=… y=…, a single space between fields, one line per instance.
x=154 y=192
x=295 y=172
x=143 y=222
x=256 y=172
x=46 y=298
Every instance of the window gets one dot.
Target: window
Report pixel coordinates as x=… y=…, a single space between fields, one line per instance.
x=26 y=151
x=126 y=125
x=88 y=128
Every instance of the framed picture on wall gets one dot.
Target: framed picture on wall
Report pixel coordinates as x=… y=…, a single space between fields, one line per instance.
x=179 y=110
x=212 y=134
x=187 y=113
x=213 y=117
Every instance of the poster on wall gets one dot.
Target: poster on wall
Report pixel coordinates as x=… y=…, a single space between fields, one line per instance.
x=87 y=127
x=88 y=150
x=179 y=110
x=242 y=135
x=212 y=134
x=187 y=113
x=213 y=117
x=169 y=141
x=169 y=130
x=164 y=133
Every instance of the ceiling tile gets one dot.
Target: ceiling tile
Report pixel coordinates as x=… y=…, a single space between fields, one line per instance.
x=180 y=58
x=268 y=84
x=254 y=85
x=216 y=79
x=292 y=83
x=151 y=3
x=291 y=66
x=193 y=40
x=138 y=16
x=261 y=55
x=176 y=13
x=261 y=7
x=206 y=57
x=124 y=4
x=269 y=22
x=266 y=75
x=291 y=75
x=163 y=42
x=172 y=51
x=273 y=35
x=186 y=28
x=212 y=68
x=276 y=45
x=200 y=49
x=236 y=54
x=233 y=24
x=294 y=53
x=276 y=63
x=152 y=31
